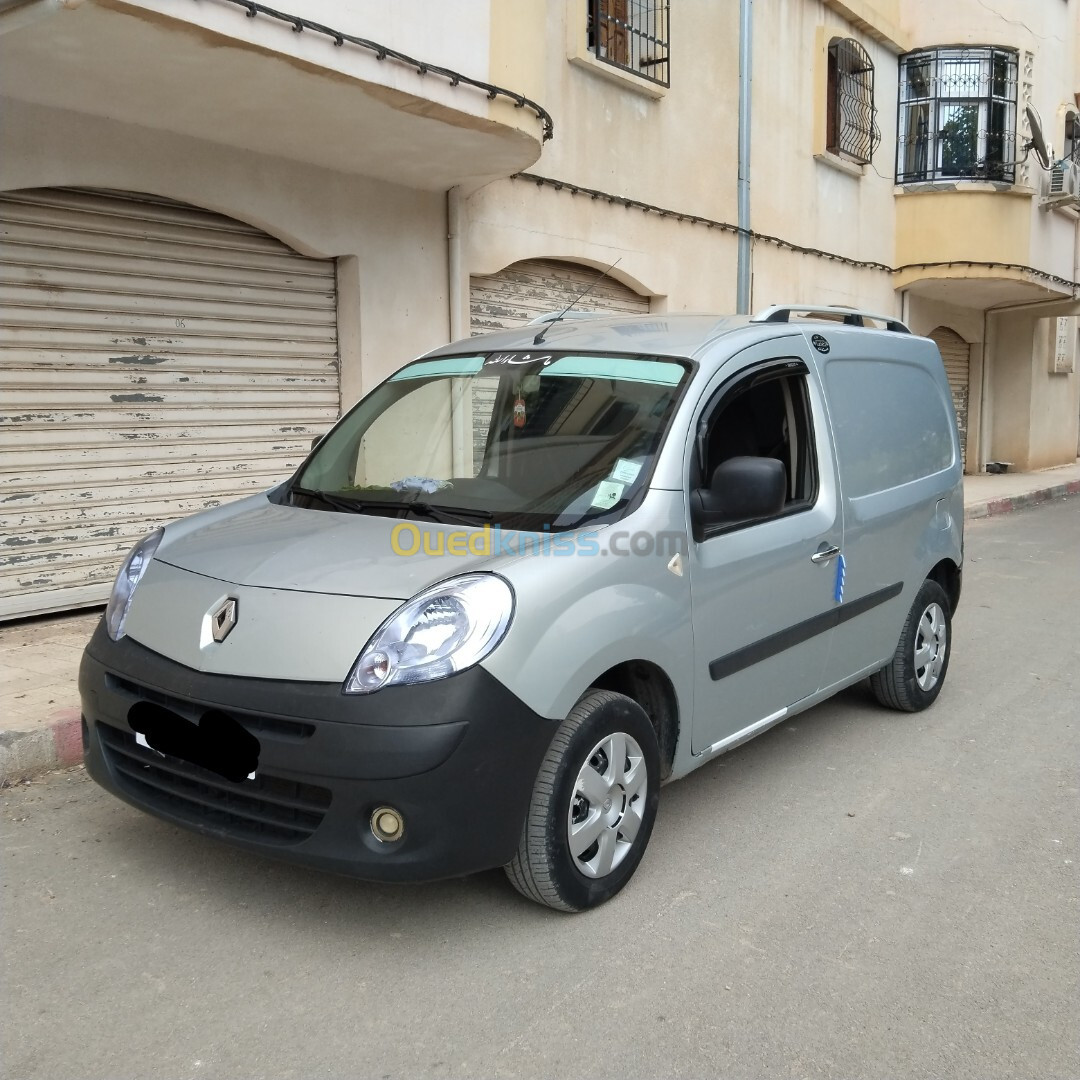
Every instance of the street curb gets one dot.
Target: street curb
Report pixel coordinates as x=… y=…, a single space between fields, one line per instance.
x=56 y=745
x=1018 y=502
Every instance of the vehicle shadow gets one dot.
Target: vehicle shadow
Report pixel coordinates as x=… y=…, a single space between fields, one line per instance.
x=694 y=810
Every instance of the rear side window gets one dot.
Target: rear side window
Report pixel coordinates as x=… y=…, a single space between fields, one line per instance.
x=891 y=421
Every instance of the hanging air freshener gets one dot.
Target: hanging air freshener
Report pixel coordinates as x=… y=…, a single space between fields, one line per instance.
x=519 y=412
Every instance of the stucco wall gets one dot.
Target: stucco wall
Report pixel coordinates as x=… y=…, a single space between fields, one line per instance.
x=817 y=201
x=1035 y=413
x=1055 y=405
x=397 y=294
x=676 y=148
x=1011 y=347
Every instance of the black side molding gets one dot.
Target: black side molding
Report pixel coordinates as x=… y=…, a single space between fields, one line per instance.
x=752 y=654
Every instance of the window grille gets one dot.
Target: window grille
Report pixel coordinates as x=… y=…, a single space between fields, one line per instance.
x=632 y=35
x=852 y=117
x=957 y=115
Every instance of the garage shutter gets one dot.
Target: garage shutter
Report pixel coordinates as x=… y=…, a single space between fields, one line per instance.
x=527 y=289
x=155 y=360
x=956 y=352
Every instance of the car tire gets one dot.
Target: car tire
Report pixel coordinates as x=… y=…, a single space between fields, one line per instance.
x=913 y=678
x=591 y=814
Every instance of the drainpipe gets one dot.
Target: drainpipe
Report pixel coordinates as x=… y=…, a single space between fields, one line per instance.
x=985 y=419
x=746 y=54
x=455 y=222
x=459 y=323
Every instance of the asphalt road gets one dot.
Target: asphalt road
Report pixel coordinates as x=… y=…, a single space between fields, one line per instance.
x=857 y=893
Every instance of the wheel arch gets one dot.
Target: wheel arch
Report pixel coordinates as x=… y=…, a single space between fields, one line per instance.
x=650 y=686
x=948 y=575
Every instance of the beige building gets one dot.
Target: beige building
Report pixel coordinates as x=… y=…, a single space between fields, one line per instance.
x=221 y=226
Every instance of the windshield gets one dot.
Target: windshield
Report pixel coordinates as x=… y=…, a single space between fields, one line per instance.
x=510 y=438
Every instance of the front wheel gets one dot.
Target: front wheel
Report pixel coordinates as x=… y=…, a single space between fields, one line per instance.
x=912 y=679
x=593 y=806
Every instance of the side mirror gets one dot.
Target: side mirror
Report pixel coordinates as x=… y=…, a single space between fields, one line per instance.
x=315 y=442
x=742 y=489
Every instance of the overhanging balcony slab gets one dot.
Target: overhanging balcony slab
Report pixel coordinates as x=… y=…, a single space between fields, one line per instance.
x=146 y=66
x=978 y=287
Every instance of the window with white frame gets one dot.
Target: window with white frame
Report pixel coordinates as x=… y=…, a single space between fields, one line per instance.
x=957 y=115
x=632 y=35
x=851 y=118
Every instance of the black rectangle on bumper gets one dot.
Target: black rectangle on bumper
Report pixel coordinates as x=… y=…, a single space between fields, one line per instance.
x=457 y=758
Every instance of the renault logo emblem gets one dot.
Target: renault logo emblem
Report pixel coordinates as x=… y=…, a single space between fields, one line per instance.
x=223 y=619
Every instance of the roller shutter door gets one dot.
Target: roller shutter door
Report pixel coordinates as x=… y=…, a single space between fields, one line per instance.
x=956 y=353
x=524 y=290
x=155 y=360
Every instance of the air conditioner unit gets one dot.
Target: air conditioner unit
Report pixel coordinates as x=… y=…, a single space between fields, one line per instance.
x=1062 y=185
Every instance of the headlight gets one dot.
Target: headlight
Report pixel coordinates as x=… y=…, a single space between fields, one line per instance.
x=445 y=629
x=133 y=569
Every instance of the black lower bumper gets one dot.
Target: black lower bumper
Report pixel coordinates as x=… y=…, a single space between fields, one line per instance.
x=457 y=758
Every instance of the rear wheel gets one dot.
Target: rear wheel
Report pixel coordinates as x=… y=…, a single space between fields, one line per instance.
x=593 y=806
x=912 y=679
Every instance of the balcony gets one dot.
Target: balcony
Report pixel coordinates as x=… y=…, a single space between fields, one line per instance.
x=977 y=247
x=229 y=72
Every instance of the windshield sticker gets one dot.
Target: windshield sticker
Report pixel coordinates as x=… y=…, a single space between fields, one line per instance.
x=607 y=494
x=517 y=359
x=626 y=472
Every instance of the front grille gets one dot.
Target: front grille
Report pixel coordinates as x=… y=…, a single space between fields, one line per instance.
x=269 y=809
x=288 y=730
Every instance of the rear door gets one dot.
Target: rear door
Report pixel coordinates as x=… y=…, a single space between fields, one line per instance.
x=899 y=463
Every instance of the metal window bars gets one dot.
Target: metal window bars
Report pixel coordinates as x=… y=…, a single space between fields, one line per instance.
x=632 y=35
x=852 y=123
x=957 y=115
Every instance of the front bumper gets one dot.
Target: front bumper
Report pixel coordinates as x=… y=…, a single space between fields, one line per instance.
x=457 y=758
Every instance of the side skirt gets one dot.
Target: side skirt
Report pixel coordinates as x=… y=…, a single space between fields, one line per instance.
x=694 y=761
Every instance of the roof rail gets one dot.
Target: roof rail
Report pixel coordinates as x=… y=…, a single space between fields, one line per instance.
x=850 y=316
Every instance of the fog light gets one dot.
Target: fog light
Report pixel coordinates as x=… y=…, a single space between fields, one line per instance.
x=387 y=824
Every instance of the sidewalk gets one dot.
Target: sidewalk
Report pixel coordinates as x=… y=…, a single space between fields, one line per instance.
x=39 y=658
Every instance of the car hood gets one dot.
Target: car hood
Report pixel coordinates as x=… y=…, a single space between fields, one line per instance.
x=261 y=544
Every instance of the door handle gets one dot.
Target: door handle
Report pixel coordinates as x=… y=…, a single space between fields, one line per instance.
x=824 y=554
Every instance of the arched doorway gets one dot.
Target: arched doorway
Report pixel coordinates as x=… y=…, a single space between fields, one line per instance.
x=522 y=291
x=956 y=353
x=155 y=359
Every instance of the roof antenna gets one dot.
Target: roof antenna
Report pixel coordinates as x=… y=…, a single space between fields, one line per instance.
x=539 y=339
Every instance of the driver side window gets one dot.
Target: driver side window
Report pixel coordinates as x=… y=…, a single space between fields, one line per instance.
x=764 y=415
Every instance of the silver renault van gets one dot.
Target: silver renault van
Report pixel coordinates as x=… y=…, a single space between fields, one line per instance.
x=527 y=580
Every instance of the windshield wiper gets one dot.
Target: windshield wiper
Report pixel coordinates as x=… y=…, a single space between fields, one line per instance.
x=448 y=515
x=337 y=502
x=443 y=515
